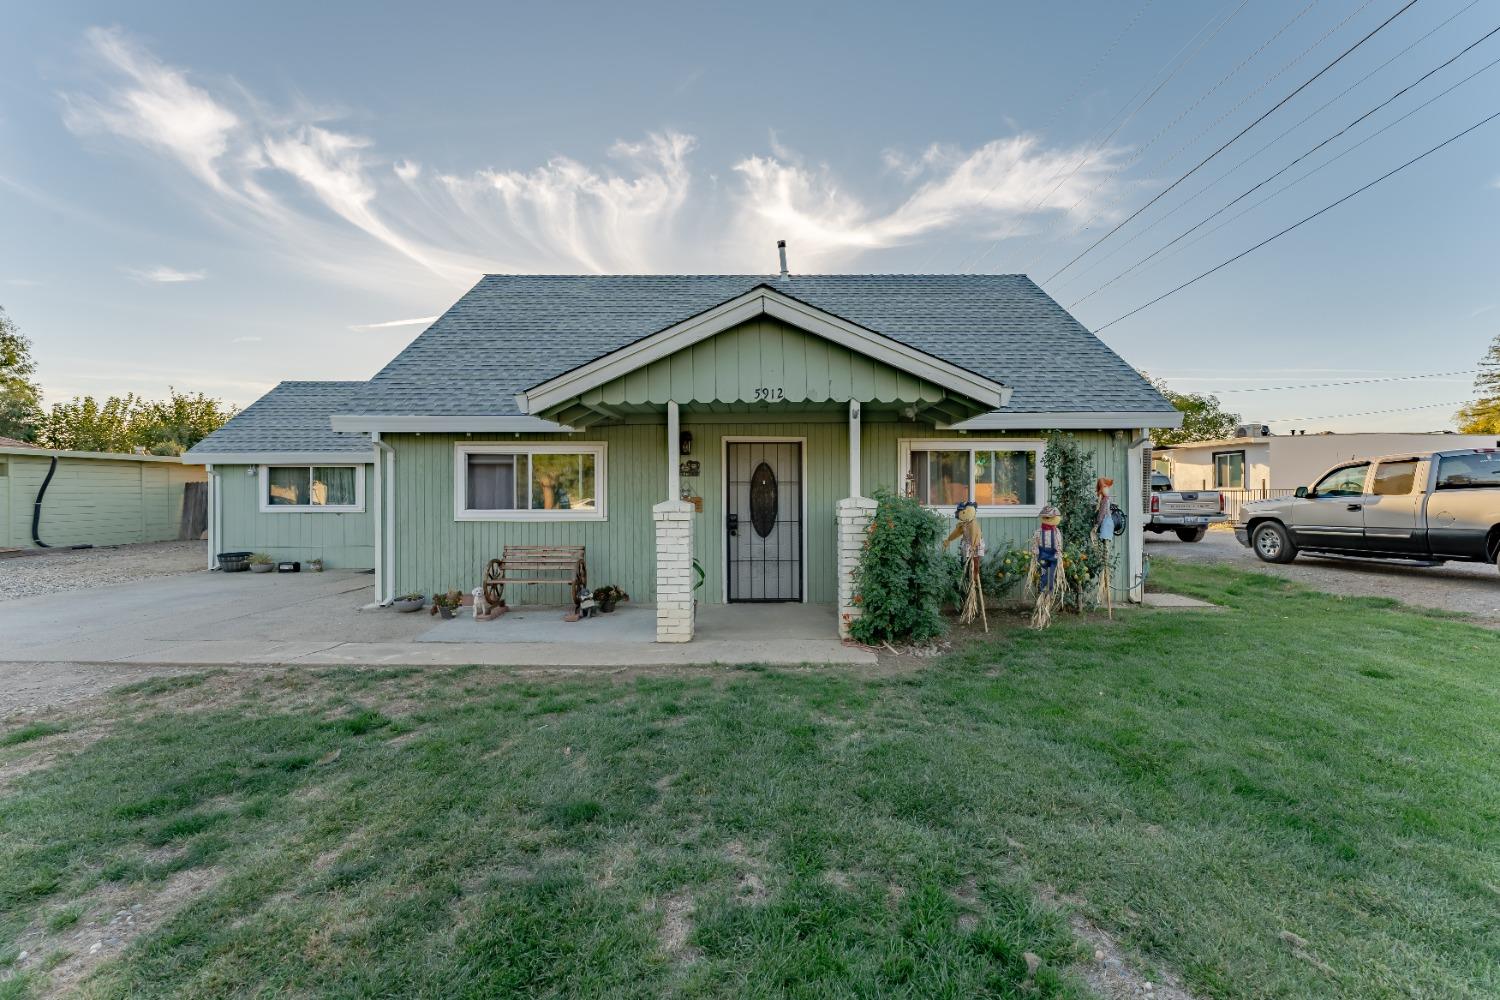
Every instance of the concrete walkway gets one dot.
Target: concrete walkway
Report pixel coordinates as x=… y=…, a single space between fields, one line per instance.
x=229 y=619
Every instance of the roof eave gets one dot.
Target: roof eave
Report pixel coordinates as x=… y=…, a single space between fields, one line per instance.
x=1070 y=420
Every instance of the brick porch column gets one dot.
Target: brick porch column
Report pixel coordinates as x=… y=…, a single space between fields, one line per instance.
x=674 y=570
x=854 y=515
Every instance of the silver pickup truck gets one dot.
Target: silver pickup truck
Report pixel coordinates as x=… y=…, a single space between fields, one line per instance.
x=1188 y=513
x=1431 y=508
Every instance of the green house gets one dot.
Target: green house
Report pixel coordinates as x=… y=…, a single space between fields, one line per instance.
x=708 y=438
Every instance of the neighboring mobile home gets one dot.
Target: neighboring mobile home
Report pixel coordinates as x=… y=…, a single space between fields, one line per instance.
x=706 y=436
x=1279 y=463
x=61 y=499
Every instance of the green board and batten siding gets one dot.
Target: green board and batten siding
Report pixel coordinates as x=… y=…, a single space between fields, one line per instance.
x=433 y=552
x=93 y=500
x=342 y=540
x=760 y=356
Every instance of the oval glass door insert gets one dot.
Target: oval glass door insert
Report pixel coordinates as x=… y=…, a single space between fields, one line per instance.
x=763 y=500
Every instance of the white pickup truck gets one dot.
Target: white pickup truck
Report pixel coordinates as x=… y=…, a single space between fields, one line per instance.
x=1187 y=513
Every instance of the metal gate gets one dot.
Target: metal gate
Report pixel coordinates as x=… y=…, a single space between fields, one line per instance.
x=763 y=520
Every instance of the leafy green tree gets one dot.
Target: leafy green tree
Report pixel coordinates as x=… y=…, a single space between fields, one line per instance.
x=125 y=423
x=85 y=424
x=1071 y=488
x=1483 y=415
x=173 y=425
x=20 y=396
x=1203 y=417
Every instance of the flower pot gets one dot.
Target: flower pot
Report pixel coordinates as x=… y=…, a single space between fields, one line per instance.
x=447 y=612
x=409 y=606
x=606 y=606
x=262 y=567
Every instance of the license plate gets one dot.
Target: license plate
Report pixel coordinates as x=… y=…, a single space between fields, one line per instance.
x=1196 y=520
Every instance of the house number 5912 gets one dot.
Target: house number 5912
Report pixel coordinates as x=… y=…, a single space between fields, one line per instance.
x=769 y=394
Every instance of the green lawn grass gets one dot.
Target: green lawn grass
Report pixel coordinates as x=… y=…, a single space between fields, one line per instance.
x=1296 y=796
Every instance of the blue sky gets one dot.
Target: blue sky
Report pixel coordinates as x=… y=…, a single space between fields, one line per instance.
x=219 y=198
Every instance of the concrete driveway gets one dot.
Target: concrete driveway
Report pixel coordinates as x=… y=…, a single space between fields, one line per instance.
x=1465 y=588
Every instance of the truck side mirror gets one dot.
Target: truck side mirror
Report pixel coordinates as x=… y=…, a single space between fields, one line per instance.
x=1301 y=493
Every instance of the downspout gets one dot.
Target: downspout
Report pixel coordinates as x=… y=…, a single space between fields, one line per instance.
x=36 y=506
x=385 y=538
x=213 y=528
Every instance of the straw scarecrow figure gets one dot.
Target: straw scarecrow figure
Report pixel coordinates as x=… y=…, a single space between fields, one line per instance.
x=1104 y=524
x=1047 y=576
x=971 y=550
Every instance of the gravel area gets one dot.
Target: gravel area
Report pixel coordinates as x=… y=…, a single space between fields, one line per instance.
x=60 y=570
x=29 y=689
x=1464 y=588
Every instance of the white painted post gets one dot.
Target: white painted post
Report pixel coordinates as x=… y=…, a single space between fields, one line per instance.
x=674 y=570
x=1136 y=513
x=379 y=519
x=854 y=433
x=213 y=539
x=854 y=515
x=674 y=432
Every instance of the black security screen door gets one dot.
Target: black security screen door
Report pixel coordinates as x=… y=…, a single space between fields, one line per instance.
x=763 y=507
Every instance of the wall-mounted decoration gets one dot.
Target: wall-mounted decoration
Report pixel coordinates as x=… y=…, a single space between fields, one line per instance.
x=685 y=442
x=690 y=468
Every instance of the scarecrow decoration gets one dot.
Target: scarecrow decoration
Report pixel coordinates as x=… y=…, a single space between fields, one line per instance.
x=971 y=551
x=1047 y=574
x=1104 y=522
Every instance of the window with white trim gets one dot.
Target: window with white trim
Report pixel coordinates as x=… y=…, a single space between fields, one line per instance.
x=521 y=482
x=1001 y=476
x=327 y=489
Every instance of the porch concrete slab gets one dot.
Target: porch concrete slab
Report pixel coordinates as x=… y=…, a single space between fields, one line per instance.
x=1174 y=601
x=628 y=623
x=219 y=619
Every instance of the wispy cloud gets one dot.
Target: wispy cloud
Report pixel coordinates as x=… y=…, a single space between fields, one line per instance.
x=165 y=275
x=419 y=321
x=247 y=340
x=333 y=199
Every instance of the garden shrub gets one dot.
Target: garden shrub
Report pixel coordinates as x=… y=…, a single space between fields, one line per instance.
x=1071 y=479
x=901 y=581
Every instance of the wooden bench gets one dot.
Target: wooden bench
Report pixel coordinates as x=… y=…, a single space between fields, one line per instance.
x=536 y=566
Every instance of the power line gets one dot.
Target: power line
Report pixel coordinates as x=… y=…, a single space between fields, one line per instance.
x=1094 y=147
x=1368 y=413
x=1267 y=145
x=1332 y=160
x=1306 y=219
x=1201 y=163
x=1262 y=183
x=1161 y=132
x=1357 y=381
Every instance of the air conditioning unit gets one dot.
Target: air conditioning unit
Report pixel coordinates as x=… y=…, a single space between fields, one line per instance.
x=1252 y=431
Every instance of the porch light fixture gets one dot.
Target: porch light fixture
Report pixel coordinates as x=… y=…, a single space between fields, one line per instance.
x=685 y=443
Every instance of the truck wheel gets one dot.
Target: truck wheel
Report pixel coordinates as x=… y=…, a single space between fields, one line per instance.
x=1191 y=534
x=1272 y=544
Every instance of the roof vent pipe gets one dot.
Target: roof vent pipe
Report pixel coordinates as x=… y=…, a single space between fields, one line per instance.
x=781 y=249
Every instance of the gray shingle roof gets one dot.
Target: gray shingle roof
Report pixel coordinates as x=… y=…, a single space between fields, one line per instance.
x=510 y=332
x=293 y=417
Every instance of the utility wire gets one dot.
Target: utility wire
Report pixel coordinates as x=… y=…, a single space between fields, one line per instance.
x=1368 y=413
x=1262 y=183
x=1161 y=132
x=1203 y=162
x=1306 y=219
x=1332 y=160
x=1267 y=145
x=1329 y=385
x=1093 y=147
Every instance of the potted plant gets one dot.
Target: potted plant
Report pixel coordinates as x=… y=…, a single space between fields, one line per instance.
x=609 y=596
x=446 y=605
x=409 y=602
x=261 y=563
x=315 y=565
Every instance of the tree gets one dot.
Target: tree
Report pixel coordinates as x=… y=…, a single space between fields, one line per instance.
x=20 y=397
x=125 y=423
x=1483 y=415
x=1203 y=418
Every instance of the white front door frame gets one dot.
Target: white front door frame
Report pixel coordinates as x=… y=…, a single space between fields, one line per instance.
x=724 y=443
